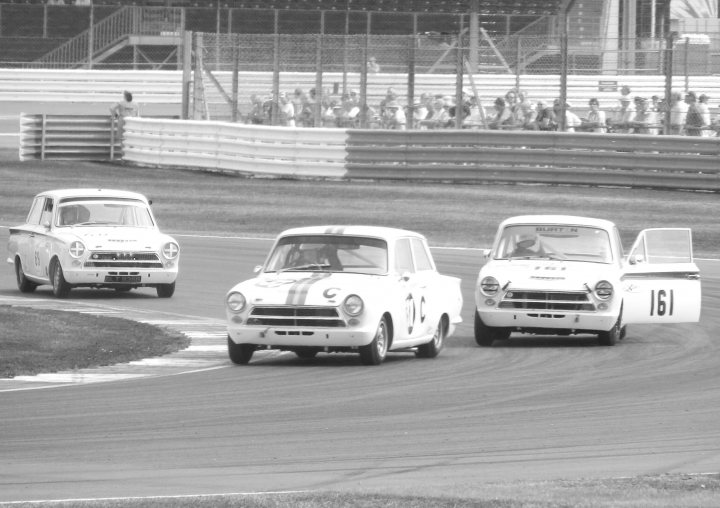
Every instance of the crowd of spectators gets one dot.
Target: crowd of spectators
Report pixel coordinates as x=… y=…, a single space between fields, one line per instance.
x=689 y=115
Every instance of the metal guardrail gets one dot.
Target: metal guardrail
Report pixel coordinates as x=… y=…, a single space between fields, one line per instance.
x=220 y=146
x=660 y=162
x=67 y=137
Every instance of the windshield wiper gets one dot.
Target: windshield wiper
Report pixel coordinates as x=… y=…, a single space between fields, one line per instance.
x=308 y=266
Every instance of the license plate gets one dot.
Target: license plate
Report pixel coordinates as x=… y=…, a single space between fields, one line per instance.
x=123 y=278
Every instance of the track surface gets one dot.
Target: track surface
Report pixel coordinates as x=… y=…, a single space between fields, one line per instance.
x=541 y=408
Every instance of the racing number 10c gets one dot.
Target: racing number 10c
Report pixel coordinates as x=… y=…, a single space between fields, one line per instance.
x=661 y=303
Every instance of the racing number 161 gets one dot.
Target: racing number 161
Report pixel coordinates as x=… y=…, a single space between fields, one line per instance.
x=662 y=302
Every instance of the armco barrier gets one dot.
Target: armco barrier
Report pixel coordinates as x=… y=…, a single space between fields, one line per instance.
x=69 y=137
x=663 y=162
x=219 y=146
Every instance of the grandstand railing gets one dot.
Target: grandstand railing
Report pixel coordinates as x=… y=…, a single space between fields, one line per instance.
x=111 y=32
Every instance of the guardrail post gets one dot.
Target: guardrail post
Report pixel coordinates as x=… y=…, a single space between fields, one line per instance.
x=42 y=137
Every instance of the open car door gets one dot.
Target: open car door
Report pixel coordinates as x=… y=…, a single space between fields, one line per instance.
x=661 y=283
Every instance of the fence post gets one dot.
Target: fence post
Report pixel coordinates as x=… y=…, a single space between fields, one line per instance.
x=91 y=37
x=42 y=137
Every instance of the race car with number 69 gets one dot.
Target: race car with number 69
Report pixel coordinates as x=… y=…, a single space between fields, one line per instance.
x=564 y=275
x=361 y=289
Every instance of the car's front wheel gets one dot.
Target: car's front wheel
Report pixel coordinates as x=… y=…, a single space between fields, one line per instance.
x=614 y=334
x=432 y=348
x=307 y=353
x=23 y=284
x=485 y=335
x=375 y=352
x=60 y=286
x=240 y=354
x=165 y=290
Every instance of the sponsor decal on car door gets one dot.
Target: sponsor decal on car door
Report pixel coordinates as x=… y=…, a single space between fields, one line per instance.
x=661 y=283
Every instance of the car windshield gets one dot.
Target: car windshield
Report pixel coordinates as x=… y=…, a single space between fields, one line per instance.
x=565 y=242
x=332 y=253
x=103 y=213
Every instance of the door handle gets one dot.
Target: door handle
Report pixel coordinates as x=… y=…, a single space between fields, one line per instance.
x=693 y=276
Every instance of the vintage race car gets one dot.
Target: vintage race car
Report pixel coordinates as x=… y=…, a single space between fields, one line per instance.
x=96 y=238
x=359 y=289
x=563 y=275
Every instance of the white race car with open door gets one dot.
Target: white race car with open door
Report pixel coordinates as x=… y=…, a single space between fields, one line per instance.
x=565 y=275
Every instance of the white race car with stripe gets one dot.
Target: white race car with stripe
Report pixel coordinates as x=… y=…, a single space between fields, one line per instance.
x=359 y=289
x=564 y=275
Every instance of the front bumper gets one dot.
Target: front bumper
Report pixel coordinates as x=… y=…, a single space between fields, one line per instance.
x=99 y=277
x=568 y=321
x=301 y=336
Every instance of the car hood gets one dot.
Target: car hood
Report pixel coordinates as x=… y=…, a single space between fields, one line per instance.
x=307 y=288
x=548 y=274
x=116 y=238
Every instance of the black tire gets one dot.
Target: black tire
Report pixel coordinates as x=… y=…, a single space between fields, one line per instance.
x=240 y=354
x=60 y=287
x=375 y=352
x=306 y=353
x=23 y=284
x=432 y=348
x=614 y=334
x=486 y=335
x=165 y=290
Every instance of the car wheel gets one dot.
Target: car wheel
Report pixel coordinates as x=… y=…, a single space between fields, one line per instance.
x=165 y=290
x=375 y=352
x=60 y=287
x=240 y=354
x=306 y=353
x=486 y=335
x=23 y=284
x=432 y=348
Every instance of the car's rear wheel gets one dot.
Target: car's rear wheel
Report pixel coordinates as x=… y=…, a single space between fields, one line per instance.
x=375 y=352
x=23 y=284
x=432 y=348
x=165 y=290
x=60 y=287
x=485 y=335
x=240 y=354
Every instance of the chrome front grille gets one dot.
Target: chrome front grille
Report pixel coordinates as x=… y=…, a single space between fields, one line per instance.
x=309 y=317
x=123 y=260
x=547 y=300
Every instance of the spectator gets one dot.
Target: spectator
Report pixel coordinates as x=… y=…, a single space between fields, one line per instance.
x=645 y=119
x=595 y=120
x=624 y=116
x=693 y=117
x=257 y=112
x=571 y=119
x=678 y=112
x=394 y=117
x=527 y=113
x=126 y=107
x=438 y=117
x=503 y=116
x=419 y=115
x=298 y=100
x=545 y=119
x=372 y=65
x=656 y=104
x=704 y=109
x=286 y=111
x=626 y=92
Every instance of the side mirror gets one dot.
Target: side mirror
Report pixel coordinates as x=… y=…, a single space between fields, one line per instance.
x=636 y=259
x=46 y=224
x=405 y=276
x=257 y=269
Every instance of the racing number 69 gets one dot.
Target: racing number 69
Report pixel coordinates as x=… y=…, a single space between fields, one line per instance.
x=662 y=302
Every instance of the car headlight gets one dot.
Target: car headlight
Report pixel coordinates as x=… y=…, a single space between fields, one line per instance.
x=489 y=286
x=77 y=249
x=171 y=250
x=353 y=305
x=236 y=301
x=603 y=290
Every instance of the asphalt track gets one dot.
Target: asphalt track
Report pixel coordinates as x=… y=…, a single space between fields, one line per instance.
x=528 y=409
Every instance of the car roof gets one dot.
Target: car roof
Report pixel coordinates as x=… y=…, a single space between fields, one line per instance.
x=92 y=193
x=353 y=230
x=571 y=220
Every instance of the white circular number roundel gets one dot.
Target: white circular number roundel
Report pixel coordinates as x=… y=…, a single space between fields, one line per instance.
x=410 y=312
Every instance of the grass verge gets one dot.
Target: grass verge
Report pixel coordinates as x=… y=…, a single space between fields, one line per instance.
x=34 y=341
x=662 y=491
